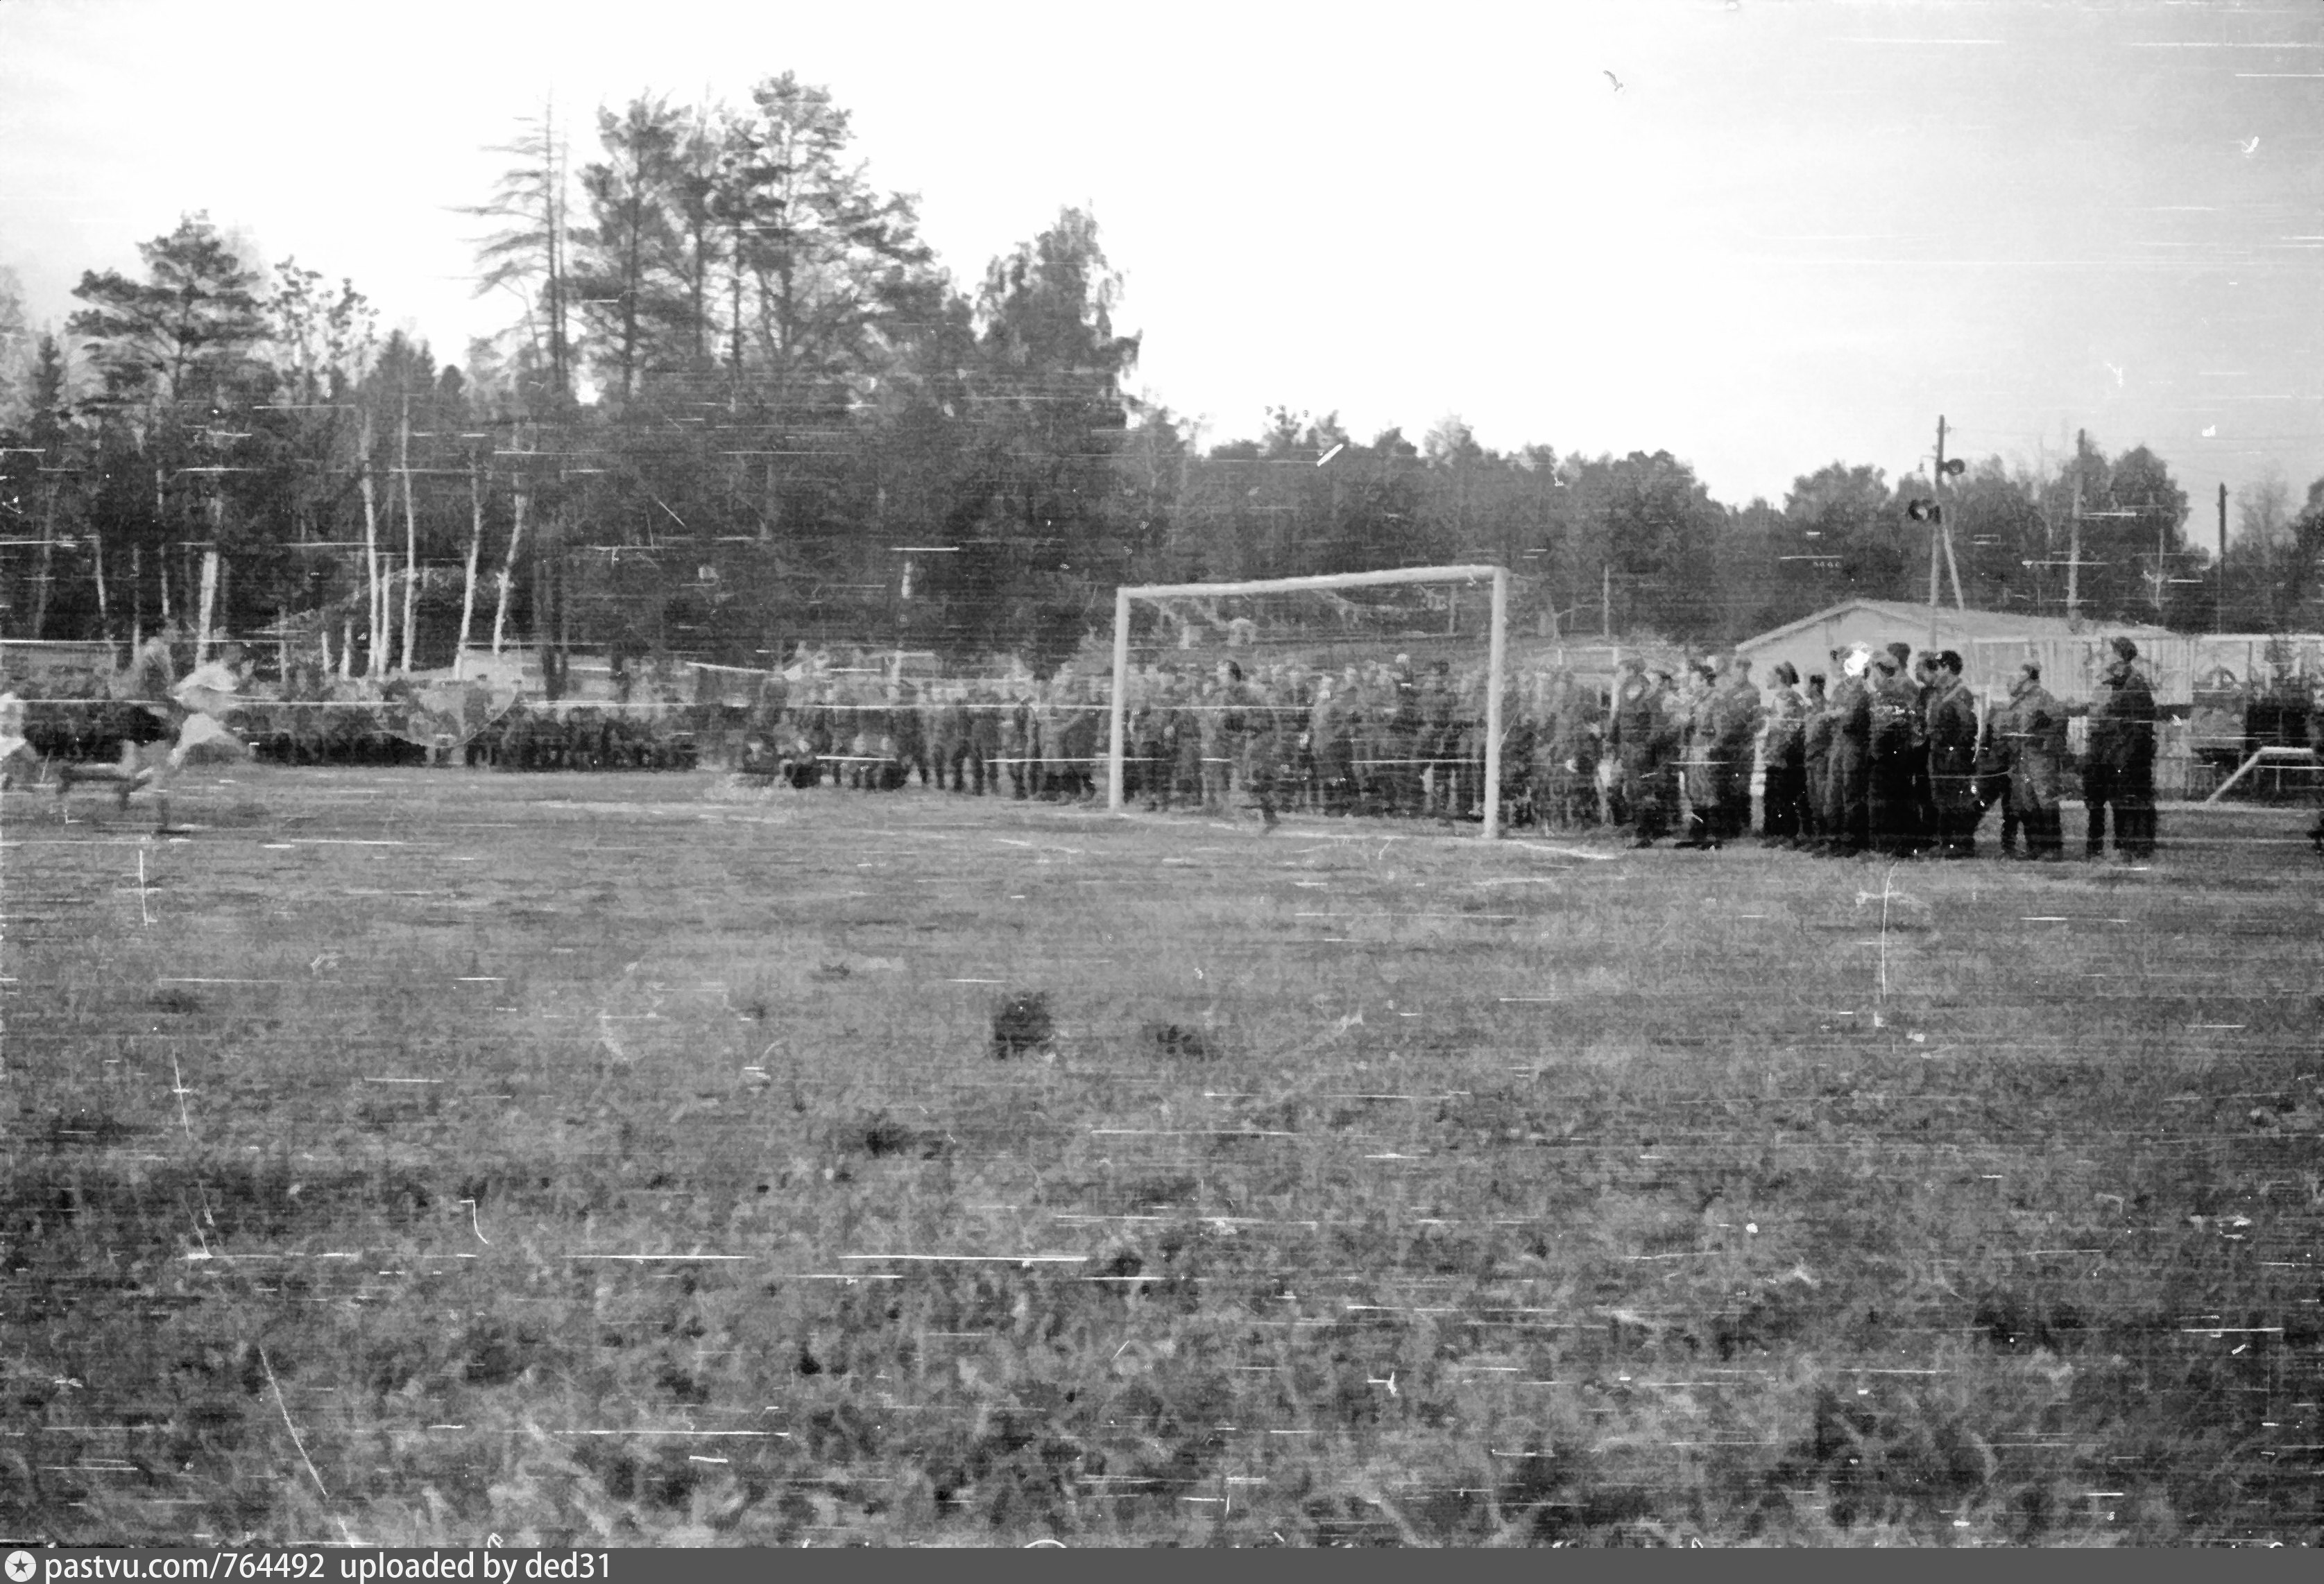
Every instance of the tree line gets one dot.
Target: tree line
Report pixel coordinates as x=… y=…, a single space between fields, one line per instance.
x=741 y=405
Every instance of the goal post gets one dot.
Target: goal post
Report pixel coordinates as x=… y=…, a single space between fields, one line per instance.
x=1496 y=656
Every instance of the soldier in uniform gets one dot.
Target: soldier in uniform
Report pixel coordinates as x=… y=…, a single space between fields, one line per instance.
x=1580 y=731
x=1332 y=743
x=1259 y=752
x=1300 y=784
x=2037 y=742
x=1697 y=721
x=1851 y=755
x=1072 y=753
x=1546 y=789
x=908 y=730
x=822 y=736
x=1996 y=752
x=1183 y=731
x=2119 y=768
x=1953 y=759
x=1436 y=742
x=1783 y=794
x=1924 y=797
x=1737 y=713
x=1221 y=729
x=1144 y=768
x=947 y=735
x=1819 y=789
x=1894 y=703
x=1630 y=733
x=1668 y=745
x=981 y=707
x=1375 y=775
x=1018 y=738
x=1815 y=763
x=1402 y=719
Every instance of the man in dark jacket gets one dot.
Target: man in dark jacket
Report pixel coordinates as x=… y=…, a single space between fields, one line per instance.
x=1667 y=746
x=2118 y=767
x=1895 y=707
x=1782 y=793
x=2037 y=771
x=1737 y=712
x=1630 y=732
x=1953 y=759
x=1996 y=750
x=986 y=708
x=1924 y=797
x=1815 y=765
x=1851 y=756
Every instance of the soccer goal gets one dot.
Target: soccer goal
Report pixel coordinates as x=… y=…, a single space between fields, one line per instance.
x=1375 y=692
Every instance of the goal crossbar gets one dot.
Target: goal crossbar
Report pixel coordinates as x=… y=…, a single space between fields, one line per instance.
x=1497 y=651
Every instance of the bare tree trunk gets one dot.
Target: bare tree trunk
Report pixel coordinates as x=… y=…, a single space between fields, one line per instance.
x=209 y=606
x=386 y=612
x=564 y=609
x=541 y=647
x=212 y=577
x=104 y=616
x=476 y=547
x=371 y=548
x=137 y=573
x=521 y=499
x=410 y=541
x=137 y=597
x=48 y=555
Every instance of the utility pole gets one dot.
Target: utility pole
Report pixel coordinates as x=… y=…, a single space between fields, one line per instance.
x=2161 y=561
x=1936 y=526
x=1941 y=534
x=2074 y=553
x=2219 y=614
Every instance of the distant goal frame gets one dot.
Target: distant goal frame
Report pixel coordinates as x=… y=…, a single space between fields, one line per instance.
x=1496 y=662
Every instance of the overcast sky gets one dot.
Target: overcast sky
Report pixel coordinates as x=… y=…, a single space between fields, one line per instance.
x=1796 y=232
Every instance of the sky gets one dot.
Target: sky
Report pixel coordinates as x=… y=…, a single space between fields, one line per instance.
x=1761 y=235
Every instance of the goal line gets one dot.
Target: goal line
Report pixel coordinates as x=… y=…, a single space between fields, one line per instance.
x=1497 y=652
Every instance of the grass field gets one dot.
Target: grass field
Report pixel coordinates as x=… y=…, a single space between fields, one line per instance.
x=413 y=1156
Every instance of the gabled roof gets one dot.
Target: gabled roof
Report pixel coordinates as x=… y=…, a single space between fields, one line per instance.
x=1994 y=624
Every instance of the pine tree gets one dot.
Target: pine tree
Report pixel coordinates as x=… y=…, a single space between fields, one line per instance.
x=529 y=257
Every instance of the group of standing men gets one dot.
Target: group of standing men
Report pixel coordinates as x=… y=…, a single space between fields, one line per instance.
x=1894 y=759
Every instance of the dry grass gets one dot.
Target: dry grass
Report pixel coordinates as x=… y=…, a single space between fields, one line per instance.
x=618 y=1160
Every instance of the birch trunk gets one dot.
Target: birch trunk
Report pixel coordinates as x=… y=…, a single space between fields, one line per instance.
x=371 y=548
x=137 y=575
x=476 y=547
x=209 y=606
x=386 y=613
x=508 y=565
x=104 y=616
x=410 y=542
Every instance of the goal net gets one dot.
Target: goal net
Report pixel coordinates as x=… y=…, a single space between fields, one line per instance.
x=1363 y=692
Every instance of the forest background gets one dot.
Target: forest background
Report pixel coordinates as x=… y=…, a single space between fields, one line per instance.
x=741 y=405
